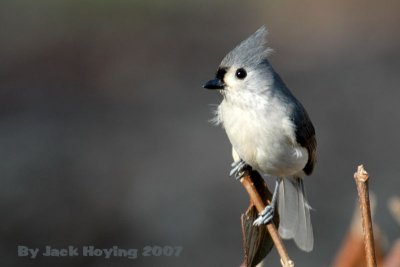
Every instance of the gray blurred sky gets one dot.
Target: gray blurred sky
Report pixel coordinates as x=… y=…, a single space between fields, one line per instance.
x=104 y=129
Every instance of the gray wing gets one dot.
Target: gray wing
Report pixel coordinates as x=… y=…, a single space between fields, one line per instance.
x=305 y=136
x=294 y=210
x=305 y=132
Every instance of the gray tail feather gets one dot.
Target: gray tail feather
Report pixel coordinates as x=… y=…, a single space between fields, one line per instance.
x=294 y=213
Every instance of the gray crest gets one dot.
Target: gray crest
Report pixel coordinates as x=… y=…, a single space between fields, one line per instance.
x=249 y=52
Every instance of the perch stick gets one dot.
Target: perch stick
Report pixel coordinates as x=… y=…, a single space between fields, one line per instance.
x=361 y=178
x=352 y=253
x=259 y=204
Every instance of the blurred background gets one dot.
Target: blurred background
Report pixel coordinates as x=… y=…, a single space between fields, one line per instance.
x=104 y=130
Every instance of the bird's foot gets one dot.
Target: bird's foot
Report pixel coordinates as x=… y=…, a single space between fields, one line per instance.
x=238 y=168
x=267 y=214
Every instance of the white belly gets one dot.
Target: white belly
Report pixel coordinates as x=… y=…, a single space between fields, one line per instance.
x=266 y=142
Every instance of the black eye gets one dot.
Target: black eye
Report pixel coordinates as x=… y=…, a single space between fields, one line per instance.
x=241 y=73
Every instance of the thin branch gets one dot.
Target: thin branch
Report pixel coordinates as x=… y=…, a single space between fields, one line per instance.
x=248 y=184
x=361 y=178
x=351 y=252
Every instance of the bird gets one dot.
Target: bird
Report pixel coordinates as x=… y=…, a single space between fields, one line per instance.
x=270 y=132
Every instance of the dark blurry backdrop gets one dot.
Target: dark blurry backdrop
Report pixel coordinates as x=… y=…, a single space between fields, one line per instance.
x=104 y=132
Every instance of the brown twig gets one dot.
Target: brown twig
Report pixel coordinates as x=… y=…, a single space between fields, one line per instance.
x=259 y=204
x=351 y=252
x=361 y=177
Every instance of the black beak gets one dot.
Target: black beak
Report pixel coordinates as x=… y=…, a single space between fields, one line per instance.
x=214 y=84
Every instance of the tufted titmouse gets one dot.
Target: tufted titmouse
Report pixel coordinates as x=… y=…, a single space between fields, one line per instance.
x=270 y=131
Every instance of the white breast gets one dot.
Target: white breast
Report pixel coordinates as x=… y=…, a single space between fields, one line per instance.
x=263 y=136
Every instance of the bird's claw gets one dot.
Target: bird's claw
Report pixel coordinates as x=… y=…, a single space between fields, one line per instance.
x=265 y=216
x=237 y=169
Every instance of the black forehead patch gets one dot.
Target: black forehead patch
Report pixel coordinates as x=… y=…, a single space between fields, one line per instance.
x=221 y=73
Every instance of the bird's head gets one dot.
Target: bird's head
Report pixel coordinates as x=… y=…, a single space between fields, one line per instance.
x=245 y=69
